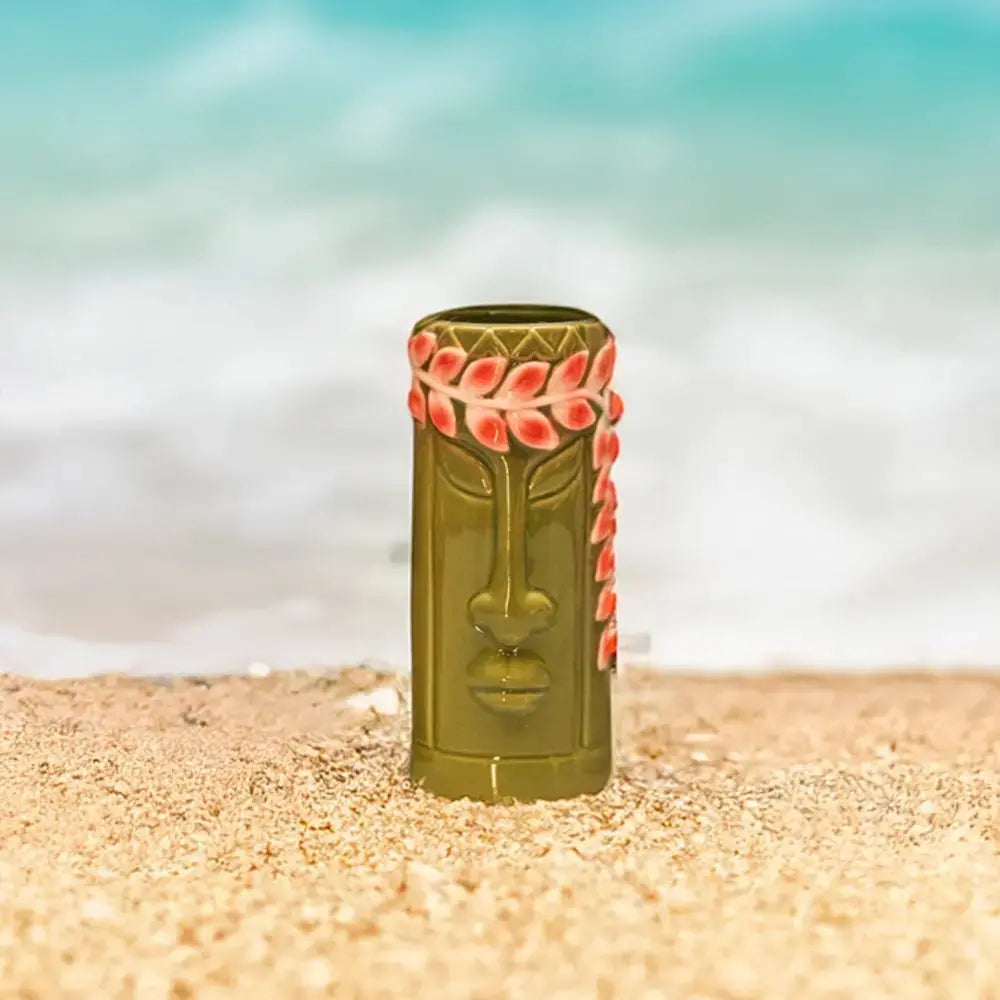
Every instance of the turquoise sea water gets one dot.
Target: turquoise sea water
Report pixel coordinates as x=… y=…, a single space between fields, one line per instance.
x=836 y=119
x=217 y=221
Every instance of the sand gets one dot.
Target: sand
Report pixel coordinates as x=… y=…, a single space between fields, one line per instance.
x=802 y=837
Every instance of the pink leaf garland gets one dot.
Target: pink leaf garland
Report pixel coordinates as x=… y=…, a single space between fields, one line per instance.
x=615 y=406
x=606 y=602
x=442 y=413
x=602 y=368
x=534 y=429
x=447 y=363
x=605 y=563
x=610 y=496
x=417 y=403
x=605 y=448
x=420 y=347
x=487 y=427
x=482 y=375
x=613 y=446
x=608 y=647
x=568 y=374
x=524 y=381
x=605 y=451
x=485 y=424
x=574 y=414
x=604 y=523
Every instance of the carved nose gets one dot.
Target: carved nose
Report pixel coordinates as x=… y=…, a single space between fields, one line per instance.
x=510 y=620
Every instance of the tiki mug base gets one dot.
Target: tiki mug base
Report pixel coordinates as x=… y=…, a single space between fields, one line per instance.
x=526 y=779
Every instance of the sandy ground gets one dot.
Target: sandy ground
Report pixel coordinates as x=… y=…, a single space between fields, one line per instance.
x=256 y=837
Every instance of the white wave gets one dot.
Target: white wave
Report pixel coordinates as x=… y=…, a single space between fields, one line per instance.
x=808 y=471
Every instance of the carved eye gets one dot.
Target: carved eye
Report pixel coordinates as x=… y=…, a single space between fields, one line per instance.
x=464 y=471
x=557 y=473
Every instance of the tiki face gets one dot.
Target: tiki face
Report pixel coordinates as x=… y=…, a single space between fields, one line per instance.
x=513 y=517
x=513 y=555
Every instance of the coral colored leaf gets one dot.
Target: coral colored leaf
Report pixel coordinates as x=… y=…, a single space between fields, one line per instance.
x=613 y=446
x=616 y=407
x=610 y=497
x=442 y=413
x=604 y=523
x=447 y=363
x=574 y=414
x=605 y=448
x=604 y=489
x=482 y=375
x=607 y=648
x=534 y=429
x=420 y=347
x=417 y=403
x=602 y=368
x=487 y=427
x=605 y=563
x=601 y=484
x=606 y=602
x=568 y=374
x=524 y=381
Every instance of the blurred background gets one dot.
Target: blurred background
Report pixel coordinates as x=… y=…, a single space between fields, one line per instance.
x=219 y=219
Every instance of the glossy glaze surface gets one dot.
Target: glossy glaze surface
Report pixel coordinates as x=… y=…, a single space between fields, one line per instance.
x=513 y=519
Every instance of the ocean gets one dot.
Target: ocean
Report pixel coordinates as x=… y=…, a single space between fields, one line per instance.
x=219 y=220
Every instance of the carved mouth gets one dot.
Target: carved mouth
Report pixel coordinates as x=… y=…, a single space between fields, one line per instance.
x=508 y=683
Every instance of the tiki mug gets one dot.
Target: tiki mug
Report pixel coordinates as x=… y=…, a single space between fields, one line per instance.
x=512 y=594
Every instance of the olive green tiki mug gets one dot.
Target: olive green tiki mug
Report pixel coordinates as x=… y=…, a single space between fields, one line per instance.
x=512 y=594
